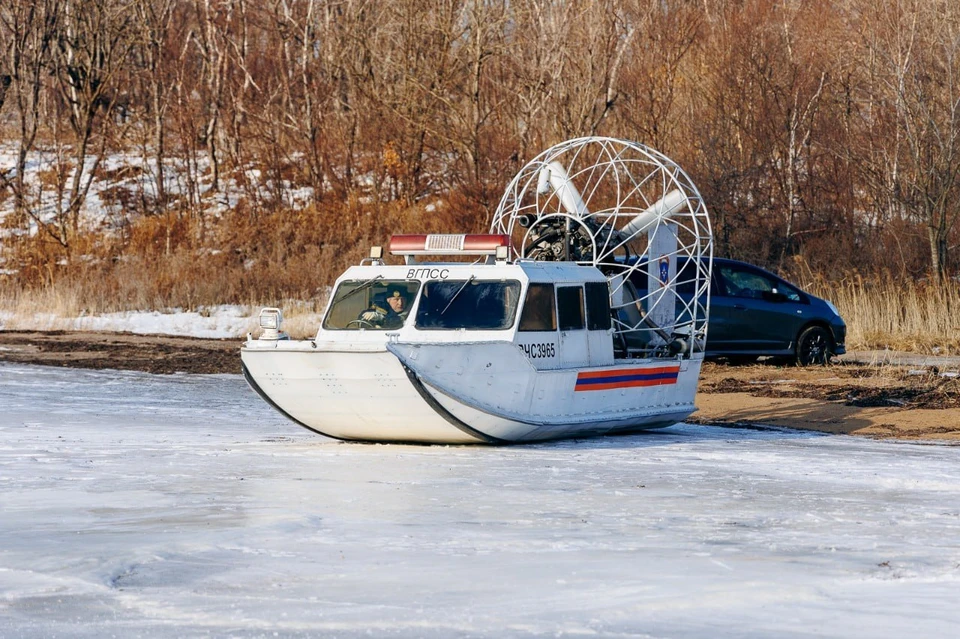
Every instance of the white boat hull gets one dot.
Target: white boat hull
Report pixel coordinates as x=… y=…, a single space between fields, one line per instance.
x=463 y=393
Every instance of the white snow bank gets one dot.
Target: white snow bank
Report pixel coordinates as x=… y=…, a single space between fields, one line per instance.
x=219 y=322
x=216 y=322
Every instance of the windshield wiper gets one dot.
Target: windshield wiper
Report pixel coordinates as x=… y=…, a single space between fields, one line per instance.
x=457 y=294
x=362 y=287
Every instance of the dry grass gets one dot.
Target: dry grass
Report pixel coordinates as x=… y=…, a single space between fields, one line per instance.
x=43 y=309
x=301 y=320
x=287 y=259
x=905 y=316
x=290 y=258
x=879 y=314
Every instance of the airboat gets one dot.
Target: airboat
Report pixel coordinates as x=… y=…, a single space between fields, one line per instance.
x=569 y=318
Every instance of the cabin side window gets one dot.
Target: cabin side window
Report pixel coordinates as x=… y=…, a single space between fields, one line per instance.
x=468 y=304
x=539 y=310
x=598 y=306
x=570 y=307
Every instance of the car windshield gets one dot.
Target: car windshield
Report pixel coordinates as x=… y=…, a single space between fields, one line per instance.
x=377 y=304
x=468 y=304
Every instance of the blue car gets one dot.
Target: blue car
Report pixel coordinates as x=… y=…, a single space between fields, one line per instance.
x=755 y=313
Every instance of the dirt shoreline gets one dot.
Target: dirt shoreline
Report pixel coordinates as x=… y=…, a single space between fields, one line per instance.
x=162 y=354
x=880 y=401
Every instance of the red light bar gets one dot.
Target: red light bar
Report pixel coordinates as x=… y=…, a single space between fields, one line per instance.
x=461 y=244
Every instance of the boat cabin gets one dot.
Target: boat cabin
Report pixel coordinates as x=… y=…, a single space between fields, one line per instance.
x=557 y=313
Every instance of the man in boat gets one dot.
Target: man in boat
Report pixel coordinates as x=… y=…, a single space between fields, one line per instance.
x=391 y=317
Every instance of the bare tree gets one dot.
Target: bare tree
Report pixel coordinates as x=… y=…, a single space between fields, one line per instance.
x=213 y=18
x=473 y=97
x=92 y=47
x=155 y=21
x=534 y=64
x=411 y=69
x=915 y=45
x=29 y=30
x=654 y=71
x=827 y=129
x=594 y=46
x=797 y=95
x=304 y=86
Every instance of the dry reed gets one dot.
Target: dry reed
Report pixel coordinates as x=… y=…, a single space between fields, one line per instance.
x=289 y=259
x=885 y=313
x=880 y=314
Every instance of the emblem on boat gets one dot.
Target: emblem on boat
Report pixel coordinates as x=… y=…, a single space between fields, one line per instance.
x=583 y=313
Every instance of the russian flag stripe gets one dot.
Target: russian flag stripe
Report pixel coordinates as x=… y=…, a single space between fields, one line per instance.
x=628 y=371
x=626 y=378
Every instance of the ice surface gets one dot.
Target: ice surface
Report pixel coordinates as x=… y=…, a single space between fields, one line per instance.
x=136 y=505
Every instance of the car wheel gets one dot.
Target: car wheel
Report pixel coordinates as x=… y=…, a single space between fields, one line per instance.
x=813 y=346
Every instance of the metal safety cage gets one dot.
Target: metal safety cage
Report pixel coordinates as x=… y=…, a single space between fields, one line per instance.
x=634 y=214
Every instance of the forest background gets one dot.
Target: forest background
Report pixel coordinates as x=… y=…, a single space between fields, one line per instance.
x=181 y=153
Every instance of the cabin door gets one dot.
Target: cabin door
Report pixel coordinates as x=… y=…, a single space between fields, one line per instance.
x=571 y=320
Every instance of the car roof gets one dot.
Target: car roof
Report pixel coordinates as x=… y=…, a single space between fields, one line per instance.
x=729 y=261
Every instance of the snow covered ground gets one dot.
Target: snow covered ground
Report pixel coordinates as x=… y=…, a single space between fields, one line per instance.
x=211 y=322
x=125 y=177
x=218 y=322
x=135 y=505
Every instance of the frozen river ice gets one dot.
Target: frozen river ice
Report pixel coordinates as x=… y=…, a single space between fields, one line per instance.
x=136 y=505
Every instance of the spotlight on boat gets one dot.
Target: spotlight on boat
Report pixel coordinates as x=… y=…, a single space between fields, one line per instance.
x=270 y=321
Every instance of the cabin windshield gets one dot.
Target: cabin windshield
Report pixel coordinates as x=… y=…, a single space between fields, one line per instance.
x=468 y=304
x=377 y=304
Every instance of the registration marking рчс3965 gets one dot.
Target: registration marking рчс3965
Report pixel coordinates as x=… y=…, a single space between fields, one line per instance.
x=539 y=350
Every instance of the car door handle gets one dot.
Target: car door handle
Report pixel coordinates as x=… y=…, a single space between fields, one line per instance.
x=740 y=307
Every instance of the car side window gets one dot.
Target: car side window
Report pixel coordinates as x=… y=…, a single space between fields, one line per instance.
x=750 y=284
x=792 y=294
x=716 y=284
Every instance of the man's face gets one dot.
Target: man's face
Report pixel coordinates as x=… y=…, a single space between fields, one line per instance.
x=396 y=303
